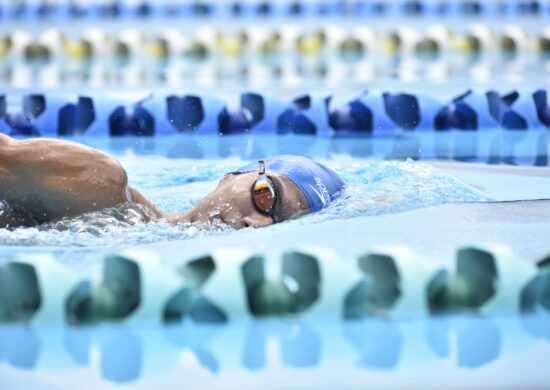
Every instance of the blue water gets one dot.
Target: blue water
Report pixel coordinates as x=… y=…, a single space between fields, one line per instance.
x=379 y=352
x=372 y=188
x=385 y=203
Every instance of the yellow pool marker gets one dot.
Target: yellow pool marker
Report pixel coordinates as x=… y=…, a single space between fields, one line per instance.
x=232 y=46
x=158 y=48
x=5 y=46
x=392 y=44
x=468 y=44
x=311 y=44
x=78 y=50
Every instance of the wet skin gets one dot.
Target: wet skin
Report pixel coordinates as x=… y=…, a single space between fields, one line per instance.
x=51 y=179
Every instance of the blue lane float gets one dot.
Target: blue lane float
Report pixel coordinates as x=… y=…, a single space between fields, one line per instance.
x=372 y=114
x=127 y=9
x=475 y=126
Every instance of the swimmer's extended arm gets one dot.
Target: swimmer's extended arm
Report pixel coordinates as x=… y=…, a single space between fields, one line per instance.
x=52 y=178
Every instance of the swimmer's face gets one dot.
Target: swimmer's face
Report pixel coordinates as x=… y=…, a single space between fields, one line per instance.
x=231 y=202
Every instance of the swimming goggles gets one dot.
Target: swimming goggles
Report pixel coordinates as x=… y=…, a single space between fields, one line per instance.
x=264 y=196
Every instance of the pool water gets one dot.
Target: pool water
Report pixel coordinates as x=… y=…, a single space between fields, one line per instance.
x=432 y=207
x=372 y=188
x=399 y=194
x=462 y=350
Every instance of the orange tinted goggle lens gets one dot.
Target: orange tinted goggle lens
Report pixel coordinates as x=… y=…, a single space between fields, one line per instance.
x=263 y=198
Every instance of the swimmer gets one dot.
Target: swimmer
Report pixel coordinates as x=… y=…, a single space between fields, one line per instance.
x=45 y=180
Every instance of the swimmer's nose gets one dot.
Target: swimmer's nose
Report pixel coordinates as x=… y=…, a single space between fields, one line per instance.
x=257 y=221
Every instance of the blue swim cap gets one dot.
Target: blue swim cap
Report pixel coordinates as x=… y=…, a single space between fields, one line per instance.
x=319 y=184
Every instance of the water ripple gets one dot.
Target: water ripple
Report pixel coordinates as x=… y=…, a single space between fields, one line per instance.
x=372 y=188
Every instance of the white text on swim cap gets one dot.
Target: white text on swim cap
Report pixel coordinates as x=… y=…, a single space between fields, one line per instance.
x=322 y=192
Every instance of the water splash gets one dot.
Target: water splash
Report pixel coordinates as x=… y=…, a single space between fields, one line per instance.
x=372 y=188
